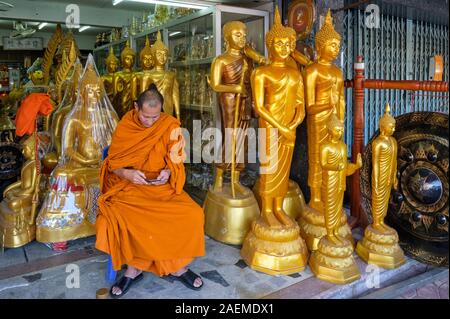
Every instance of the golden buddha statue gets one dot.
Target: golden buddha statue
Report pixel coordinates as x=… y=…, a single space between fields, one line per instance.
x=324 y=97
x=230 y=209
x=142 y=80
x=379 y=245
x=274 y=245
x=69 y=210
x=166 y=81
x=333 y=260
x=122 y=82
x=112 y=63
x=67 y=80
x=17 y=214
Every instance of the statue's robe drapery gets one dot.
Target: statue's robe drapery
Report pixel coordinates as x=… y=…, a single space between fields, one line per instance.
x=123 y=92
x=153 y=228
x=167 y=85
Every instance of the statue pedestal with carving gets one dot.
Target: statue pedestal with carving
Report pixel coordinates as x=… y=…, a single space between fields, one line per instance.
x=228 y=219
x=381 y=248
x=312 y=227
x=334 y=262
x=15 y=229
x=274 y=251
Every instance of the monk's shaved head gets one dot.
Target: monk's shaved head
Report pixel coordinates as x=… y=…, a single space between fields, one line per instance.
x=150 y=97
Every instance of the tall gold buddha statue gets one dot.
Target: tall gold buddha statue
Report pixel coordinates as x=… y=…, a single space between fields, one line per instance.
x=69 y=210
x=230 y=208
x=112 y=63
x=379 y=245
x=17 y=216
x=274 y=245
x=166 y=81
x=122 y=82
x=324 y=97
x=142 y=80
x=333 y=260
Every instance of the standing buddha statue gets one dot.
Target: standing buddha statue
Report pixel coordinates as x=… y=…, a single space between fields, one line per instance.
x=274 y=245
x=379 y=245
x=142 y=80
x=230 y=209
x=333 y=260
x=122 y=82
x=69 y=210
x=112 y=63
x=166 y=81
x=324 y=97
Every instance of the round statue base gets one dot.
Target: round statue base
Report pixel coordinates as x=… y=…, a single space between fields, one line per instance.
x=274 y=251
x=334 y=262
x=294 y=201
x=381 y=248
x=228 y=219
x=15 y=230
x=312 y=227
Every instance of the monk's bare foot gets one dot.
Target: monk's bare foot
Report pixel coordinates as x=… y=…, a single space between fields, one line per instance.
x=284 y=219
x=197 y=282
x=270 y=220
x=132 y=273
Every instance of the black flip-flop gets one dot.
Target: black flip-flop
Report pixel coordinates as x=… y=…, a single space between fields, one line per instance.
x=188 y=279
x=124 y=284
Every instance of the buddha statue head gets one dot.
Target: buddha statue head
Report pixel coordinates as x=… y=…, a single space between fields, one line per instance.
x=335 y=128
x=160 y=51
x=146 y=56
x=112 y=62
x=280 y=40
x=29 y=147
x=127 y=57
x=328 y=41
x=387 y=122
x=235 y=35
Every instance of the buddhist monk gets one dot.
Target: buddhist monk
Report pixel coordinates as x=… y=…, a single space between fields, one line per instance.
x=145 y=219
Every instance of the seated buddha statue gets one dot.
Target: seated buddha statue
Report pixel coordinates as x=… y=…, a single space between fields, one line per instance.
x=69 y=210
x=17 y=226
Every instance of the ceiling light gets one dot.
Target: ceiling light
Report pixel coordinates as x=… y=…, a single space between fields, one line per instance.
x=84 y=28
x=173 y=3
x=174 y=33
x=41 y=25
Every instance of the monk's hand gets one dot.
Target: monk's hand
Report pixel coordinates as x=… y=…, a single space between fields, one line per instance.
x=136 y=177
x=163 y=177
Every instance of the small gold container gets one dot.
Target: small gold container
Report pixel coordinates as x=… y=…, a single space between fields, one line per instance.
x=102 y=293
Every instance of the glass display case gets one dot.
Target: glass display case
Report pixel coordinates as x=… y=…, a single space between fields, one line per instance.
x=193 y=42
x=100 y=54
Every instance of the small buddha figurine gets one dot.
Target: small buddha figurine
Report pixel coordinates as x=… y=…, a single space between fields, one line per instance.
x=69 y=210
x=274 y=245
x=122 y=82
x=112 y=63
x=379 y=245
x=17 y=226
x=166 y=81
x=324 y=84
x=230 y=208
x=333 y=260
x=142 y=80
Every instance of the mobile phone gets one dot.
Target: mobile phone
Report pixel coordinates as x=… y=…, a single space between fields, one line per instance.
x=151 y=181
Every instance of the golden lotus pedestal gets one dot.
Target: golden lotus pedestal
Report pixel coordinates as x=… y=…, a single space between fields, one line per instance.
x=381 y=248
x=228 y=219
x=334 y=262
x=312 y=227
x=15 y=230
x=274 y=251
x=294 y=201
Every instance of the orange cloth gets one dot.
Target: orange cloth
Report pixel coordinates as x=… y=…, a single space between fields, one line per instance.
x=153 y=228
x=33 y=105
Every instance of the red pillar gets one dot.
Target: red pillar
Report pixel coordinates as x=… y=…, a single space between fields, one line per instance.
x=358 y=141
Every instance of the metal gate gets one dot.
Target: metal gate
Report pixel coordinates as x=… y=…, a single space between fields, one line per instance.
x=398 y=49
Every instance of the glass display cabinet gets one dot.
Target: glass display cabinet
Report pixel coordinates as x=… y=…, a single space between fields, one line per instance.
x=193 y=42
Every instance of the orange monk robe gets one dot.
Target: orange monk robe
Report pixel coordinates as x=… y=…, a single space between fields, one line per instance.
x=153 y=228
